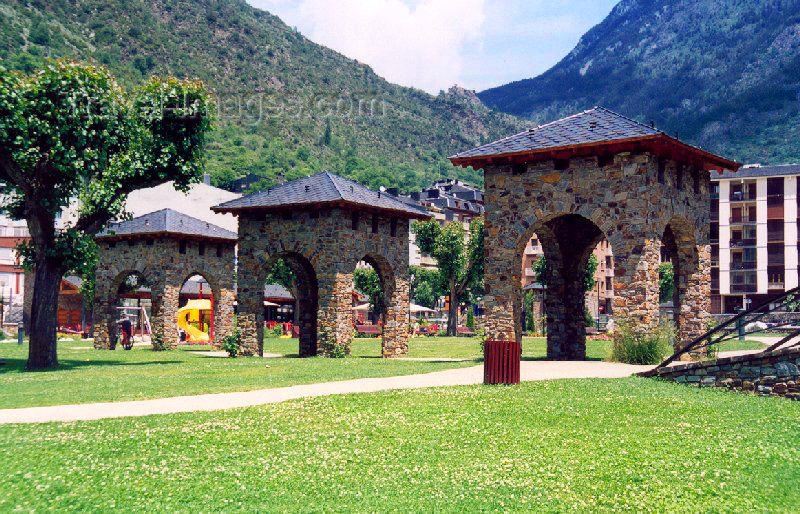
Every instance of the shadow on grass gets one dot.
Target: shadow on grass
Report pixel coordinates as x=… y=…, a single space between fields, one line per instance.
x=17 y=365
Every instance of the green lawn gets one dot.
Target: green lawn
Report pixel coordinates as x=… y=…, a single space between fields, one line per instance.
x=441 y=347
x=629 y=444
x=87 y=375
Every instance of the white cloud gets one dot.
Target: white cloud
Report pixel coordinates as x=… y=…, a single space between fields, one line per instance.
x=416 y=43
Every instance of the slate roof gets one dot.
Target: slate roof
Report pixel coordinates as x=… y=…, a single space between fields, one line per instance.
x=167 y=221
x=595 y=126
x=761 y=171
x=322 y=188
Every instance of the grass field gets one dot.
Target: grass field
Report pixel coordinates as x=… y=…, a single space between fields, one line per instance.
x=591 y=445
x=87 y=375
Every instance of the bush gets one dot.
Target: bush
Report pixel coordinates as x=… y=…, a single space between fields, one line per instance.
x=481 y=334
x=276 y=331
x=471 y=319
x=632 y=347
x=159 y=342
x=232 y=343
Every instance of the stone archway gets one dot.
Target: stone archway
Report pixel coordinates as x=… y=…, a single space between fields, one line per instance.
x=692 y=284
x=394 y=340
x=628 y=181
x=568 y=240
x=332 y=223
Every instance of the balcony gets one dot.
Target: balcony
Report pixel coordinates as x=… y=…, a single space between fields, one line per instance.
x=743 y=243
x=776 y=260
x=741 y=196
x=530 y=273
x=743 y=288
x=714 y=195
x=774 y=284
x=775 y=235
x=742 y=221
x=743 y=265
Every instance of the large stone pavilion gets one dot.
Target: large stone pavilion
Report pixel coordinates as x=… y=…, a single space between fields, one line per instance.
x=163 y=250
x=576 y=181
x=322 y=226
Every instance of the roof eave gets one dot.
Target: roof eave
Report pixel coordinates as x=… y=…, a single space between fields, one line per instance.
x=336 y=203
x=163 y=233
x=711 y=161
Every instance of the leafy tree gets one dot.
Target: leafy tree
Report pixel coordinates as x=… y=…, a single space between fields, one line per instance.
x=426 y=286
x=367 y=281
x=460 y=260
x=666 y=282
x=67 y=132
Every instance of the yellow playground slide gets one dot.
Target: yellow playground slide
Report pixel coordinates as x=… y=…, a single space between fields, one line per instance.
x=189 y=314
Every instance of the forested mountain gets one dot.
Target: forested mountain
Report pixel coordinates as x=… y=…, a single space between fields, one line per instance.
x=288 y=107
x=724 y=74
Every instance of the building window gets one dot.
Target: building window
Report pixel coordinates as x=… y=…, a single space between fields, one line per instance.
x=561 y=164
x=662 y=167
x=131 y=242
x=313 y=214
x=182 y=247
x=219 y=250
x=112 y=244
x=393 y=227
x=201 y=249
x=696 y=179
x=375 y=221
x=287 y=215
x=679 y=177
x=354 y=220
x=150 y=242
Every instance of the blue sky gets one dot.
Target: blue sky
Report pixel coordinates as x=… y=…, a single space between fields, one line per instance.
x=433 y=44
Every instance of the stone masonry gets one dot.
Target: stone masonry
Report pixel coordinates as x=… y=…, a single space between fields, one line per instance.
x=323 y=248
x=630 y=199
x=157 y=259
x=767 y=374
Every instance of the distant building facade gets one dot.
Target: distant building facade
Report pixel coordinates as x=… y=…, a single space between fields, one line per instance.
x=754 y=237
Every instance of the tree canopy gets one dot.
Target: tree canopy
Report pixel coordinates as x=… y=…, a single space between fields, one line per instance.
x=459 y=259
x=68 y=132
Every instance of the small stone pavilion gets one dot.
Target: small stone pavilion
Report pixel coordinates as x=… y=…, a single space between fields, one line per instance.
x=164 y=249
x=322 y=226
x=576 y=181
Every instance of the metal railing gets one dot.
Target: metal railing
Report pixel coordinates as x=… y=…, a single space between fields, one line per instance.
x=742 y=221
x=777 y=314
x=745 y=265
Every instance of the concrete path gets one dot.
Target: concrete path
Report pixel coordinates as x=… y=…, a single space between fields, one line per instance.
x=530 y=371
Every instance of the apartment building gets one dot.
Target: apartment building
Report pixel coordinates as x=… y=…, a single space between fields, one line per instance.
x=754 y=238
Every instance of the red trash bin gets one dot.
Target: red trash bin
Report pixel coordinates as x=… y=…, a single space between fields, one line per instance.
x=501 y=362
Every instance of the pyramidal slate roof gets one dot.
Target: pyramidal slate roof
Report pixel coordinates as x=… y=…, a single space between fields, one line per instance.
x=595 y=126
x=322 y=188
x=167 y=221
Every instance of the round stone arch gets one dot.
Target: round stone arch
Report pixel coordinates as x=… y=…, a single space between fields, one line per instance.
x=395 y=318
x=216 y=295
x=107 y=295
x=568 y=240
x=690 y=261
x=308 y=300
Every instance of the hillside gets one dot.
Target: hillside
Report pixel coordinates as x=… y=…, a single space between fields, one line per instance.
x=288 y=107
x=724 y=74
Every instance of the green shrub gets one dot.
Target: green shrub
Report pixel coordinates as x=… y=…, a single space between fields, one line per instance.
x=159 y=342
x=481 y=334
x=471 y=319
x=633 y=347
x=277 y=330
x=232 y=343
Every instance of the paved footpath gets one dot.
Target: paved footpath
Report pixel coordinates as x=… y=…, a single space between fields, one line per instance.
x=530 y=371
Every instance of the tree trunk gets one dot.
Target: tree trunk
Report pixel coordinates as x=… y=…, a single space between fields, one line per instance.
x=452 y=311
x=44 y=315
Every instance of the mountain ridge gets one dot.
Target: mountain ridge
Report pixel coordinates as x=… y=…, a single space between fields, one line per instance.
x=721 y=74
x=256 y=65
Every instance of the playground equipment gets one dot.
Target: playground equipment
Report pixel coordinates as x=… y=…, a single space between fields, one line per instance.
x=141 y=322
x=191 y=319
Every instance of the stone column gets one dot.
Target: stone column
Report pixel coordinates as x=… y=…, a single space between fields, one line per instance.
x=502 y=282
x=335 y=316
x=102 y=320
x=693 y=284
x=395 y=330
x=223 y=313
x=250 y=297
x=164 y=307
x=636 y=284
